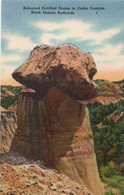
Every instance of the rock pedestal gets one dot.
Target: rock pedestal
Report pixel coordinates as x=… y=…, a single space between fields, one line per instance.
x=56 y=129
x=53 y=126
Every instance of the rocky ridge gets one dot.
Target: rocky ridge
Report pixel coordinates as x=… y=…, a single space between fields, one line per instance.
x=20 y=176
x=108 y=93
x=5 y=93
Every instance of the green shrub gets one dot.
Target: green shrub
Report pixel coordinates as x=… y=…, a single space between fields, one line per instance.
x=121 y=188
x=10 y=100
x=109 y=193
x=108 y=172
x=109 y=138
x=115 y=182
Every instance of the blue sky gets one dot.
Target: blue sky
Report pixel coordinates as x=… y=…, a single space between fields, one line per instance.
x=100 y=33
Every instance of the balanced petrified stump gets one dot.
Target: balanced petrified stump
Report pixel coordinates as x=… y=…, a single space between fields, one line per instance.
x=52 y=125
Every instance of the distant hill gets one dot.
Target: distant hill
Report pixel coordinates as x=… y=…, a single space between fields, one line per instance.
x=6 y=93
x=107 y=121
x=10 y=89
x=9 y=95
x=109 y=88
x=119 y=82
x=108 y=92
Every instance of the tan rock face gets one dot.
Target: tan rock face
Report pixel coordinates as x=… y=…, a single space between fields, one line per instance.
x=56 y=130
x=65 y=67
x=8 y=125
x=27 y=177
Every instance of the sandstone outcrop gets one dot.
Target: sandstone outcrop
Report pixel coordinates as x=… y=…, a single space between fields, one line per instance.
x=56 y=130
x=20 y=176
x=8 y=125
x=65 y=67
x=53 y=126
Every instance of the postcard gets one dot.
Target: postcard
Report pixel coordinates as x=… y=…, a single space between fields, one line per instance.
x=62 y=97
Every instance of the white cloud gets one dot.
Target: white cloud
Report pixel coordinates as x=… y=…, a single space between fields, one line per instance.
x=109 y=57
x=73 y=29
x=10 y=58
x=20 y=43
x=48 y=27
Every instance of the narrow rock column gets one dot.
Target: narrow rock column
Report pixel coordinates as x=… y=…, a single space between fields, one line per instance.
x=56 y=129
x=53 y=125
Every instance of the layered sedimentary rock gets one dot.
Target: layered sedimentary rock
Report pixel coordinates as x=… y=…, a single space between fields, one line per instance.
x=8 y=125
x=56 y=130
x=52 y=125
x=27 y=177
x=65 y=67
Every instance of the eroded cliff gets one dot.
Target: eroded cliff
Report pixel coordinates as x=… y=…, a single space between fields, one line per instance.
x=8 y=125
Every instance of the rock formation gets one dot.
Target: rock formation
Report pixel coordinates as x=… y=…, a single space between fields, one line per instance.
x=53 y=125
x=8 y=125
x=27 y=177
x=65 y=67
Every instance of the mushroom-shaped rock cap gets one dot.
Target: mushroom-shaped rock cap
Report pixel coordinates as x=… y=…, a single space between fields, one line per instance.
x=65 y=67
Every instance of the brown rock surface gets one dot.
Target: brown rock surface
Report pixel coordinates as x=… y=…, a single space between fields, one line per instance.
x=101 y=126
x=65 y=67
x=20 y=176
x=8 y=125
x=56 y=130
